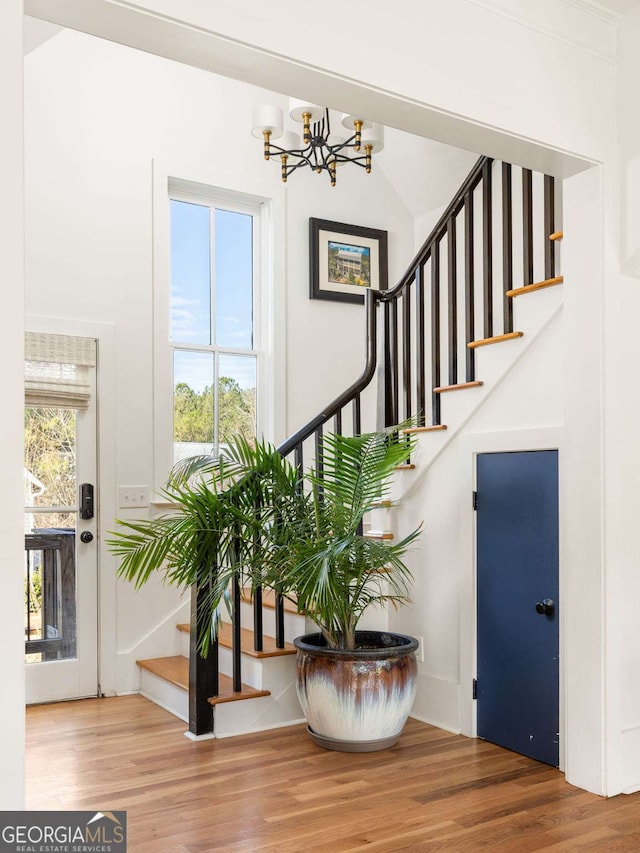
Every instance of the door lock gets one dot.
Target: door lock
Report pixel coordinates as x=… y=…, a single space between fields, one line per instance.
x=86 y=536
x=545 y=607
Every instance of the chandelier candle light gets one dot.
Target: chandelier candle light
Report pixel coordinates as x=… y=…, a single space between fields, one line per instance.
x=321 y=150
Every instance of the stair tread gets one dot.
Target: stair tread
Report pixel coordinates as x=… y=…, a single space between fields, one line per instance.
x=227 y=694
x=432 y=428
x=459 y=387
x=379 y=535
x=175 y=669
x=269 y=600
x=538 y=285
x=557 y=235
x=496 y=339
x=409 y=466
x=270 y=649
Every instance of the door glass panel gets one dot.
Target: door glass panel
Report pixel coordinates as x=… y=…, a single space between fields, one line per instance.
x=50 y=490
x=234 y=279
x=190 y=273
x=193 y=404
x=236 y=397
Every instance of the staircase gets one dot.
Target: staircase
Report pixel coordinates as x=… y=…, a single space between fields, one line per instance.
x=455 y=300
x=165 y=680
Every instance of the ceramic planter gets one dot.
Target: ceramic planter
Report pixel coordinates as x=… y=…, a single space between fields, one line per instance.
x=357 y=701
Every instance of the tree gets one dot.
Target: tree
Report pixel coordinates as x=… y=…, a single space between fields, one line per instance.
x=50 y=456
x=194 y=412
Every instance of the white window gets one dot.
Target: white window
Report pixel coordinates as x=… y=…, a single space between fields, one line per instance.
x=214 y=323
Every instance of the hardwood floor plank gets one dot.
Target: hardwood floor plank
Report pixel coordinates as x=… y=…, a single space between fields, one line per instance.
x=276 y=792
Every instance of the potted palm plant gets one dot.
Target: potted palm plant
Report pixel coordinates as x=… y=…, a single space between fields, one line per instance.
x=255 y=517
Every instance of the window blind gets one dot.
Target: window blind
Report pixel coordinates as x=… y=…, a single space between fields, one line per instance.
x=57 y=370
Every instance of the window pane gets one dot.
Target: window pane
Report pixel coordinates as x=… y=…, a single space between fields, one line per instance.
x=236 y=397
x=49 y=458
x=50 y=588
x=193 y=432
x=234 y=279
x=190 y=273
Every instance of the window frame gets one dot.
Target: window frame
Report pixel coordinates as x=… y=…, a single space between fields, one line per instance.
x=266 y=204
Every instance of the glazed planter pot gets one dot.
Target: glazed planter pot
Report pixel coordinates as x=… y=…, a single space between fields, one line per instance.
x=359 y=700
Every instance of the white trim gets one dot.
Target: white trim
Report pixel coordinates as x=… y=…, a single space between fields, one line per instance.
x=543 y=438
x=192 y=182
x=610 y=16
x=298 y=722
x=192 y=737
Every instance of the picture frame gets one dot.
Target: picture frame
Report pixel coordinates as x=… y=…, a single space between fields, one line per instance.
x=344 y=260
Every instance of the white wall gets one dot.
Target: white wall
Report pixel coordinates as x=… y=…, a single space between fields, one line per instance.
x=621 y=258
x=90 y=141
x=528 y=397
x=11 y=423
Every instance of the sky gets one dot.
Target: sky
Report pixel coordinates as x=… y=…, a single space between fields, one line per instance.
x=191 y=273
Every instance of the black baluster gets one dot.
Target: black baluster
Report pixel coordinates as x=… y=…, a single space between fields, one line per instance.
x=487 y=248
x=279 y=621
x=527 y=226
x=420 y=347
x=357 y=415
x=387 y=378
x=549 y=227
x=237 y=637
x=338 y=422
x=258 y=630
x=395 y=365
x=298 y=458
x=435 y=332
x=406 y=352
x=469 y=283
x=507 y=247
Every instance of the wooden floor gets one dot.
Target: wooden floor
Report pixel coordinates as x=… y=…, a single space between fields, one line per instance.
x=276 y=791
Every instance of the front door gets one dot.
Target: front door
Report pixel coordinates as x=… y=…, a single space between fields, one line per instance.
x=517 y=600
x=60 y=574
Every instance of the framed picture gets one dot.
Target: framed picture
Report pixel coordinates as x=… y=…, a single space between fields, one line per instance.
x=345 y=259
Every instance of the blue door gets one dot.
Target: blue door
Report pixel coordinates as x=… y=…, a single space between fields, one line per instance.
x=517 y=592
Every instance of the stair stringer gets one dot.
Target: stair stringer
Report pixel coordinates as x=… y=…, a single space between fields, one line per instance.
x=161 y=641
x=281 y=708
x=432 y=445
x=442 y=562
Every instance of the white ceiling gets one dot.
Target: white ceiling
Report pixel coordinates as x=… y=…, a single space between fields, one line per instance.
x=424 y=173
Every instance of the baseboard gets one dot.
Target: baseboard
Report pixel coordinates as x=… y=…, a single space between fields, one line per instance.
x=262 y=728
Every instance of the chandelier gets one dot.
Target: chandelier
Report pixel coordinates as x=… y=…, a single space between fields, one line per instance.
x=321 y=149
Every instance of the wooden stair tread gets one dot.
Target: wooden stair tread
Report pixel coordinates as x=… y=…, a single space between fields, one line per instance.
x=381 y=504
x=432 y=428
x=539 y=285
x=409 y=466
x=557 y=235
x=173 y=669
x=496 y=339
x=269 y=600
x=379 y=535
x=460 y=387
x=176 y=670
x=226 y=693
x=270 y=649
